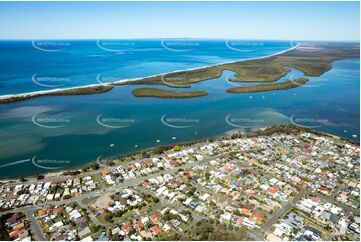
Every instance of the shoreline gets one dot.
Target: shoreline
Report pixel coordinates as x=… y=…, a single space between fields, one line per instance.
x=9 y=98
x=51 y=174
x=227 y=134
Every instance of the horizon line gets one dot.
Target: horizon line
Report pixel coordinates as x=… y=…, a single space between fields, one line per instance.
x=173 y=38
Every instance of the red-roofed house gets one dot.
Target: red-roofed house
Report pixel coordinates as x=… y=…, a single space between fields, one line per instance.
x=13 y=218
x=155 y=230
x=145 y=164
x=325 y=190
x=42 y=212
x=138 y=225
x=18 y=226
x=239 y=221
x=303 y=183
x=125 y=227
x=76 y=181
x=284 y=152
x=257 y=217
x=105 y=173
x=154 y=218
x=272 y=190
x=245 y=211
x=16 y=232
x=58 y=210
x=146 y=184
x=227 y=180
x=250 y=192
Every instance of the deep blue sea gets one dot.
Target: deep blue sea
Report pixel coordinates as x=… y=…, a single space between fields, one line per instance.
x=48 y=133
x=42 y=65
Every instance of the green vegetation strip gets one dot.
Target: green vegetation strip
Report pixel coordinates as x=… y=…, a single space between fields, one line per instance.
x=162 y=93
x=269 y=87
x=71 y=91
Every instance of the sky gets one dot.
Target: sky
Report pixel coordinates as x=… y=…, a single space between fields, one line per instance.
x=333 y=21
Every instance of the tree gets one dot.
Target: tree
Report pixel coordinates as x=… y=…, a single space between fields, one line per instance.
x=169 y=216
x=145 y=155
x=119 y=213
x=40 y=177
x=115 y=237
x=94 y=228
x=191 y=192
x=108 y=217
x=95 y=166
x=207 y=175
x=131 y=231
x=4 y=235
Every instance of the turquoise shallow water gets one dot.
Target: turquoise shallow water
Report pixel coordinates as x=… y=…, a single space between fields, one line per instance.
x=62 y=132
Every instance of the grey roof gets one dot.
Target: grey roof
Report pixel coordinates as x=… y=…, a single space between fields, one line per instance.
x=293 y=220
x=325 y=215
x=84 y=232
x=315 y=231
x=334 y=218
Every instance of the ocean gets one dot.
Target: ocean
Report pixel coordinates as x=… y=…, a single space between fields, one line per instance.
x=60 y=132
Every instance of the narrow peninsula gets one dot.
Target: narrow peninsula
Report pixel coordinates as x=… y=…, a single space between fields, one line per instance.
x=269 y=86
x=91 y=89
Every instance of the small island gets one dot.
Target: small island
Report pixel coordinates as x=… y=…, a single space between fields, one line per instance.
x=162 y=93
x=269 y=87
